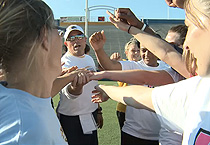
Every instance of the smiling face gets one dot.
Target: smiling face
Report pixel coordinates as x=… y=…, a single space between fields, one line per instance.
x=149 y=58
x=133 y=52
x=77 y=46
x=197 y=39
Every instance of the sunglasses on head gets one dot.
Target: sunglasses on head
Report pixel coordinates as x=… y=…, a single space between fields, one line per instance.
x=73 y=38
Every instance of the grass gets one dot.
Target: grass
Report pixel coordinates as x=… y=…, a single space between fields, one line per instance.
x=110 y=133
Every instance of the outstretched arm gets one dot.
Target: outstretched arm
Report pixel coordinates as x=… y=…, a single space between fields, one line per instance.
x=97 y=41
x=136 y=96
x=157 y=46
x=66 y=77
x=136 y=77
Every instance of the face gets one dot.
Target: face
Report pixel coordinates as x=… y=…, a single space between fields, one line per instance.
x=175 y=3
x=77 y=46
x=133 y=52
x=55 y=52
x=173 y=38
x=149 y=58
x=197 y=41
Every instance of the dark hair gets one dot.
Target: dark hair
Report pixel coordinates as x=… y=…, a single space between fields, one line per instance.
x=87 y=49
x=181 y=30
x=22 y=25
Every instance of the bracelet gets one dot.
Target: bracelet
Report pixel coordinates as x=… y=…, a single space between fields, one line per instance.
x=143 y=27
x=129 y=29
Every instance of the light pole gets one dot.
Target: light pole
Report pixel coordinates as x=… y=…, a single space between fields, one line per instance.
x=86 y=19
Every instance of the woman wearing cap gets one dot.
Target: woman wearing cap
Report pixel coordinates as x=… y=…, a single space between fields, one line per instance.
x=182 y=106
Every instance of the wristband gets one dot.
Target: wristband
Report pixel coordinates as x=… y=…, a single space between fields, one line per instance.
x=143 y=27
x=129 y=29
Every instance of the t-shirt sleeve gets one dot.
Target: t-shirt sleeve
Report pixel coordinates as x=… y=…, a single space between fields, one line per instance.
x=68 y=94
x=170 y=103
x=129 y=65
x=175 y=76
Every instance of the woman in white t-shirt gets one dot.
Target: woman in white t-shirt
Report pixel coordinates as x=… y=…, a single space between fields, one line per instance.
x=30 y=52
x=183 y=106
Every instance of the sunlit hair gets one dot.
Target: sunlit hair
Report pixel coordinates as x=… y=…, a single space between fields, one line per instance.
x=193 y=9
x=22 y=26
x=190 y=61
x=132 y=41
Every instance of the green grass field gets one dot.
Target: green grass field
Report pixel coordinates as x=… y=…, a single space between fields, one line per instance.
x=110 y=133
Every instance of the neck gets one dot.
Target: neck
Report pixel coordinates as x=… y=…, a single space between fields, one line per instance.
x=33 y=84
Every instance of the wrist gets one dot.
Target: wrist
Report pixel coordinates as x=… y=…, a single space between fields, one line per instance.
x=74 y=90
x=99 y=110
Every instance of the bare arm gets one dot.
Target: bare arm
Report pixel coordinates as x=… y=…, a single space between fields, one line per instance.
x=157 y=46
x=66 y=77
x=136 y=77
x=97 y=41
x=136 y=96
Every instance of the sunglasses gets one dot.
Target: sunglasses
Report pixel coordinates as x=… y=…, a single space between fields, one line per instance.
x=61 y=30
x=73 y=38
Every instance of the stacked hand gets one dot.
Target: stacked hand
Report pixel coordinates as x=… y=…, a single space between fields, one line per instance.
x=99 y=95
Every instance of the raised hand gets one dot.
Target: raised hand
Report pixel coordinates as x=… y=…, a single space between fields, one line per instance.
x=126 y=15
x=99 y=95
x=115 y=56
x=97 y=40
x=117 y=22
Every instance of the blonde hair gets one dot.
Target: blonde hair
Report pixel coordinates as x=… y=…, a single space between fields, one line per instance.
x=132 y=41
x=192 y=9
x=195 y=7
x=22 y=23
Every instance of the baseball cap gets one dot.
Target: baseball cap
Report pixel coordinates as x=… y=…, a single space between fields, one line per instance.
x=72 y=28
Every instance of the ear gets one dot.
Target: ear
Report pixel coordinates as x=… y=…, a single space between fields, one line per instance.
x=126 y=52
x=45 y=40
x=65 y=43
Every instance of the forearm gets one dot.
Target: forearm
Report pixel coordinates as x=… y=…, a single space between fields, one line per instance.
x=136 y=96
x=59 y=83
x=139 y=77
x=162 y=50
x=127 y=76
x=75 y=90
x=106 y=62
x=140 y=25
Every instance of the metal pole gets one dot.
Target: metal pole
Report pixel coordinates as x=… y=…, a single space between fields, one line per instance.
x=168 y=12
x=86 y=19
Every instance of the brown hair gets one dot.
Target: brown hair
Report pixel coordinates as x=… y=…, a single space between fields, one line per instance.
x=22 y=23
x=181 y=30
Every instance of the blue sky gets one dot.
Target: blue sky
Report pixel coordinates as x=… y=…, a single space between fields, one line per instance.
x=142 y=8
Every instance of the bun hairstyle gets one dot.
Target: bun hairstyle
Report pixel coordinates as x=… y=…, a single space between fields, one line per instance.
x=22 y=23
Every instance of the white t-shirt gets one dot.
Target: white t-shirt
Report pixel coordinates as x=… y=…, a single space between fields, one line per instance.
x=81 y=104
x=185 y=107
x=26 y=119
x=139 y=122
